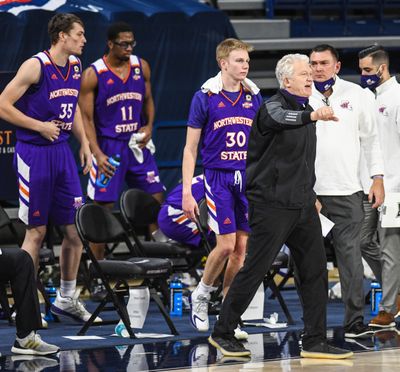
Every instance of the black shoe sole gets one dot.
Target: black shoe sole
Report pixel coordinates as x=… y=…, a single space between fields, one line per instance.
x=227 y=352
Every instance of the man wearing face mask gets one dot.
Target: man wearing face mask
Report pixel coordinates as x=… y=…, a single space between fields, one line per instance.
x=375 y=75
x=338 y=185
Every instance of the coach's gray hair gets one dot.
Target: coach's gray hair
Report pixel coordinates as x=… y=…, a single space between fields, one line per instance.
x=284 y=67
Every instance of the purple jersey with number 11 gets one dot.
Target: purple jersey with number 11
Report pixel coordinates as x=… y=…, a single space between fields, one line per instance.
x=119 y=102
x=225 y=119
x=54 y=99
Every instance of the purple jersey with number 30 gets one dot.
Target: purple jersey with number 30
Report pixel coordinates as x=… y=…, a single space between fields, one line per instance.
x=119 y=102
x=225 y=119
x=54 y=99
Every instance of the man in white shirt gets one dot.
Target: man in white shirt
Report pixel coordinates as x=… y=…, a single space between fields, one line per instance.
x=375 y=75
x=338 y=185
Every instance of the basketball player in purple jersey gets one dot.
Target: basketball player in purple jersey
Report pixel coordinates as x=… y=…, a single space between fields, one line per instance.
x=116 y=103
x=42 y=101
x=221 y=115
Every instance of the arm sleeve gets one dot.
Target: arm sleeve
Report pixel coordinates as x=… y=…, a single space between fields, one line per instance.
x=198 y=113
x=281 y=118
x=369 y=135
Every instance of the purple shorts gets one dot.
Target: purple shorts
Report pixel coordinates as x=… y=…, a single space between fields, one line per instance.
x=173 y=223
x=48 y=181
x=143 y=176
x=226 y=201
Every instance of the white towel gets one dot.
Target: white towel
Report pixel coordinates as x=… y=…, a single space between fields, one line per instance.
x=136 y=138
x=214 y=85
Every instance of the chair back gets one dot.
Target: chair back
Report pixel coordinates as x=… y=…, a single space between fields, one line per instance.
x=138 y=208
x=97 y=224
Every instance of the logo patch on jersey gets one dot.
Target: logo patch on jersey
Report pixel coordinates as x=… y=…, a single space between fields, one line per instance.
x=152 y=178
x=346 y=105
x=54 y=77
x=103 y=189
x=221 y=104
x=227 y=221
x=110 y=81
x=137 y=73
x=247 y=105
x=76 y=76
x=248 y=97
x=77 y=202
x=383 y=111
x=36 y=213
x=76 y=68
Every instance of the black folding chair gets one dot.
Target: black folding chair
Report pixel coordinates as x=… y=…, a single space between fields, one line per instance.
x=97 y=224
x=139 y=210
x=281 y=262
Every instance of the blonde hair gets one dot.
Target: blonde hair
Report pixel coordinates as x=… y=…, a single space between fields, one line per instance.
x=226 y=46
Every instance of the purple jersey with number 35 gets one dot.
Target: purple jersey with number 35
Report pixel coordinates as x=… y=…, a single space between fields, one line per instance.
x=54 y=99
x=225 y=119
x=119 y=102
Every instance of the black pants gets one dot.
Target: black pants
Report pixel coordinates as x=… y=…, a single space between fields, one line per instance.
x=16 y=266
x=300 y=229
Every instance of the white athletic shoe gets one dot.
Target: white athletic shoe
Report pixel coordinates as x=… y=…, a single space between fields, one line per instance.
x=33 y=345
x=199 y=311
x=240 y=334
x=71 y=307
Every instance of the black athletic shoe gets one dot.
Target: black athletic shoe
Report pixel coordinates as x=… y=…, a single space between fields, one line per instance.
x=323 y=350
x=229 y=347
x=358 y=330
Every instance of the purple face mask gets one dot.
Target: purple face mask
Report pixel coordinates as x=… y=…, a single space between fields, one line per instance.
x=323 y=86
x=370 y=81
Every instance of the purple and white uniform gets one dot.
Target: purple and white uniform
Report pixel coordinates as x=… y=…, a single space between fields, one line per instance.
x=117 y=115
x=225 y=119
x=48 y=179
x=171 y=220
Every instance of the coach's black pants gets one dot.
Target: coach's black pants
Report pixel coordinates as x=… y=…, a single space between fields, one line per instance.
x=300 y=229
x=16 y=266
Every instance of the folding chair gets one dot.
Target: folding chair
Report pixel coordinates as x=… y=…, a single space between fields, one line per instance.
x=97 y=224
x=139 y=210
x=281 y=262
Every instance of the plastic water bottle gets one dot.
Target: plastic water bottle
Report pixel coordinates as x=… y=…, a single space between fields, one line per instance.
x=103 y=180
x=176 y=297
x=120 y=330
x=51 y=292
x=376 y=297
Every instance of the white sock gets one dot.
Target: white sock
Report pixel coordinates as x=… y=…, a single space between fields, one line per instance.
x=204 y=289
x=67 y=288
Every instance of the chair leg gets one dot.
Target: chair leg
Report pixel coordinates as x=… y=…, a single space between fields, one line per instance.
x=269 y=282
x=164 y=312
x=119 y=304
x=46 y=299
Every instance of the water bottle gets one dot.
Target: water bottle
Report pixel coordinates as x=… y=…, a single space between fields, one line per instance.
x=176 y=297
x=120 y=330
x=51 y=292
x=103 y=180
x=376 y=297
